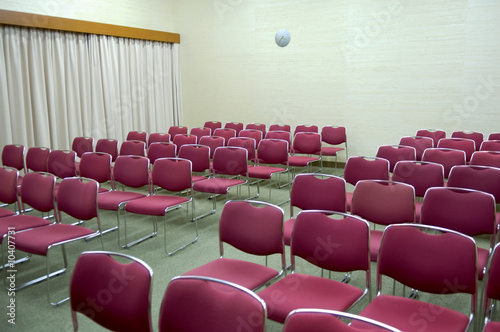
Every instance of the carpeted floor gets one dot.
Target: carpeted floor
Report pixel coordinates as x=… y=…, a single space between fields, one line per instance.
x=33 y=313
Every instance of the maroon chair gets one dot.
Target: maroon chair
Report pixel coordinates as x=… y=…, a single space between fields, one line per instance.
x=335 y=138
x=432 y=260
x=36 y=159
x=256 y=230
x=133 y=148
x=280 y=134
x=305 y=151
x=212 y=142
x=108 y=145
x=158 y=137
x=199 y=155
x=237 y=126
x=446 y=157
x=464 y=144
x=159 y=150
x=494 y=136
x=9 y=191
x=280 y=127
x=62 y=163
x=176 y=130
x=313 y=234
x=477 y=137
x=213 y=125
x=81 y=145
x=193 y=303
x=435 y=134
x=252 y=133
x=395 y=153
x=129 y=305
x=96 y=166
x=200 y=132
x=247 y=143
x=485 y=158
x=490 y=145
x=303 y=128
x=420 y=143
x=258 y=126
x=227 y=133
x=181 y=139
x=13 y=156
x=137 y=136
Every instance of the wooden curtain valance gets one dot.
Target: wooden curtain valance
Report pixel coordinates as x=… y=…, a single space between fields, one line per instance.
x=58 y=23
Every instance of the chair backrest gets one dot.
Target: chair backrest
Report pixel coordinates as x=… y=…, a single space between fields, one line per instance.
x=395 y=153
x=334 y=135
x=193 y=303
x=420 y=143
x=77 y=197
x=464 y=144
x=131 y=171
x=133 y=148
x=273 y=151
x=158 y=137
x=280 y=127
x=446 y=157
x=429 y=262
x=176 y=130
x=172 y=174
x=419 y=174
x=349 y=233
x=256 y=134
x=484 y=178
x=227 y=133
x=181 y=139
x=247 y=143
x=198 y=154
x=36 y=159
x=8 y=189
x=212 y=142
x=200 y=132
x=303 y=128
x=471 y=212
x=108 y=145
x=258 y=126
x=365 y=168
x=38 y=191
x=384 y=202
x=13 y=156
x=96 y=165
x=62 y=163
x=490 y=145
x=213 y=125
x=137 y=136
x=492 y=288
x=237 y=126
x=307 y=143
x=280 y=134
x=321 y=320
x=477 y=137
x=230 y=160
x=161 y=150
x=435 y=134
x=311 y=191
x=494 y=136
x=485 y=158
x=120 y=284
x=253 y=227
x=82 y=144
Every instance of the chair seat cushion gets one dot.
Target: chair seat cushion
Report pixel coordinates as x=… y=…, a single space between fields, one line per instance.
x=19 y=223
x=305 y=291
x=6 y=213
x=111 y=200
x=301 y=161
x=155 y=205
x=37 y=240
x=492 y=327
x=330 y=151
x=243 y=273
x=216 y=185
x=413 y=315
x=263 y=172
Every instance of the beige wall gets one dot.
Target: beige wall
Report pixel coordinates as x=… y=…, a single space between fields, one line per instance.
x=382 y=68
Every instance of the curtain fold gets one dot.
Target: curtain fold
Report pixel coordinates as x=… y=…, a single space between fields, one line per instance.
x=59 y=85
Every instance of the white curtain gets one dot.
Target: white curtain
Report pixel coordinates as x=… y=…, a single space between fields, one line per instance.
x=56 y=85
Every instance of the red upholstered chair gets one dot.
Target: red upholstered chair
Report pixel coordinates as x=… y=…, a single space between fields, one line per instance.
x=477 y=137
x=258 y=126
x=82 y=144
x=491 y=292
x=383 y=203
x=486 y=158
x=126 y=287
x=435 y=134
x=76 y=198
x=227 y=133
x=280 y=134
x=176 y=130
x=252 y=133
x=62 y=163
x=182 y=139
x=304 y=128
x=364 y=168
x=229 y=170
x=446 y=157
x=199 y=155
x=314 y=191
x=280 y=127
x=193 y=303
x=96 y=166
x=158 y=137
x=421 y=176
x=320 y=320
x=36 y=159
x=13 y=156
x=395 y=153
x=137 y=136
x=108 y=145
x=464 y=144
x=133 y=148
x=212 y=142
x=159 y=150
x=213 y=125
x=468 y=211
x=255 y=229
x=494 y=136
x=331 y=241
x=200 y=132
x=442 y=263
x=420 y=143
x=490 y=145
x=335 y=138
x=9 y=191
x=483 y=178
x=237 y=126
x=174 y=176
x=247 y=143
x=306 y=150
